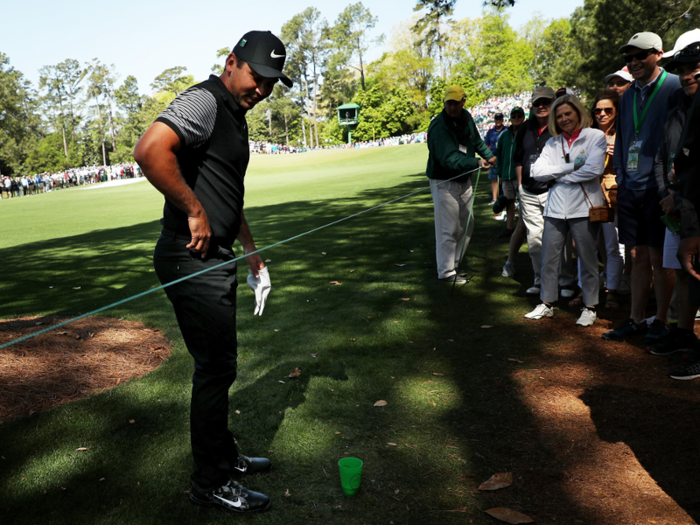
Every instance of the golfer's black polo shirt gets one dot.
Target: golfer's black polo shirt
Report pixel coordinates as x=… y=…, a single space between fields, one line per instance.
x=213 y=156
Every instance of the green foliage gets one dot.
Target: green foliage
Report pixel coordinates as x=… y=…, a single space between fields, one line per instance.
x=437 y=94
x=218 y=68
x=502 y=58
x=172 y=81
x=600 y=27
x=350 y=36
x=49 y=155
x=408 y=69
x=19 y=120
x=430 y=25
x=383 y=112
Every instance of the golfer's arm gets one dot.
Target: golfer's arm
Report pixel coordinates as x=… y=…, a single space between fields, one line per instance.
x=155 y=154
x=519 y=174
x=246 y=239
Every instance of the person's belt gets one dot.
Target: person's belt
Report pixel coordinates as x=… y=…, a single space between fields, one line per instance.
x=214 y=241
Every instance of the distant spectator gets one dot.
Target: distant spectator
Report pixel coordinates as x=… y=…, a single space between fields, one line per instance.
x=619 y=80
x=491 y=141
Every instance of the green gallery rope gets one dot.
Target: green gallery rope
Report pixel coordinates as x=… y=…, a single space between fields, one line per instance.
x=142 y=294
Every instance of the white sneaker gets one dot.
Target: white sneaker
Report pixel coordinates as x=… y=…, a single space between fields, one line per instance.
x=509 y=270
x=500 y=216
x=540 y=311
x=587 y=318
x=533 y=290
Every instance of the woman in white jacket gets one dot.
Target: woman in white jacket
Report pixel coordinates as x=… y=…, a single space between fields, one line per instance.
x=573 y=160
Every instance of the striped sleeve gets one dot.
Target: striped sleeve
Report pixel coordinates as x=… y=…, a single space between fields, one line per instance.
x=192 y=115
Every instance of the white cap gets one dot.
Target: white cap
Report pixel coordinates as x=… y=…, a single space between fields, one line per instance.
x=623 y=73
x=643 y=41
x=685 y=39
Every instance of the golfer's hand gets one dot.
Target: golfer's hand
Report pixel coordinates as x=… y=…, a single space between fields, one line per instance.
x=688 y=248
x=261 y=286
x=201 y=234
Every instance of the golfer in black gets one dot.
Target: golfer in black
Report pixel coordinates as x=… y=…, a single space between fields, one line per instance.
x=196 y=155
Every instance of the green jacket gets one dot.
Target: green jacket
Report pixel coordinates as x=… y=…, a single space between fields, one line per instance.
x=504 y=153
x=445 y=161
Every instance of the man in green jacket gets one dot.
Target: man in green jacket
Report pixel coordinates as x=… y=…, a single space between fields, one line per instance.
x=453 y=141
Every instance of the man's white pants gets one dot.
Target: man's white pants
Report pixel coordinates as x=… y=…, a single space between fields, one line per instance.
x=452 y=201
x=532 y=213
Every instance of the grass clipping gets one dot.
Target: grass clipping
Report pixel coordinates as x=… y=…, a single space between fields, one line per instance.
x=71 y=362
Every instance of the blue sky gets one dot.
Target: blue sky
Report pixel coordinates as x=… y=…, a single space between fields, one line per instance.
x=143 y=37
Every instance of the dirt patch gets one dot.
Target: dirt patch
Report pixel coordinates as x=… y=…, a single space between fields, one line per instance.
x=72 y=362
x=622 y=434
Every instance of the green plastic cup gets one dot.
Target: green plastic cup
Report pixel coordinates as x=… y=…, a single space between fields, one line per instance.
x=350 y=475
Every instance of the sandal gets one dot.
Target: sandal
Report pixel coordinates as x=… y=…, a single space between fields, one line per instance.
x=577 y=301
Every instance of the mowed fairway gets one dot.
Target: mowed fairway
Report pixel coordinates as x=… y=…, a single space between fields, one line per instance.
x=376 y=335
x=470 y=387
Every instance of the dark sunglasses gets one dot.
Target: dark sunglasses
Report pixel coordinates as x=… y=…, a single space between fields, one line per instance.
x=608 y=111
x=618 y=83
x=543 y=102
x=641 y=56
x=691 y=50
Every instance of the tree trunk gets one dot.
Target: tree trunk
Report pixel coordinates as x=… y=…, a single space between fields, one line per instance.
x=286 y=130
x=439 y=44
x=111 y=123
x=315 y=108
x=102 y=132
x=362 y=69
x=65 y=145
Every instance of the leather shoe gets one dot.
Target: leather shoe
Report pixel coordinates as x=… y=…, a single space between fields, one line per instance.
x=246 y=465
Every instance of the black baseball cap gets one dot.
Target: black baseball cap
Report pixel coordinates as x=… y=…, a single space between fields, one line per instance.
x=265 y=54
x=498 y=116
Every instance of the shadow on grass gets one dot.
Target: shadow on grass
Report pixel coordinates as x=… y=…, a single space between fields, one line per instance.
x=387 y=330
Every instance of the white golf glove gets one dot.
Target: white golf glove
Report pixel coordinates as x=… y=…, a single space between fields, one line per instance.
x=261 y=286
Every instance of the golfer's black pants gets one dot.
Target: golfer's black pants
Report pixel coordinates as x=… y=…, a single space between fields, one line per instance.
x=205 y=307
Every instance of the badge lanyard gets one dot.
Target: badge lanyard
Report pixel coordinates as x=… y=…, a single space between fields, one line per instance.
x=637 y=121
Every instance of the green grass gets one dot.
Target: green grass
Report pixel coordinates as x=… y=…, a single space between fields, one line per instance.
x=452 y=407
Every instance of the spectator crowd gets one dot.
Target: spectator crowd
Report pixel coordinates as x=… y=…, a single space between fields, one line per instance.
x=616 y=184
x=46 y=182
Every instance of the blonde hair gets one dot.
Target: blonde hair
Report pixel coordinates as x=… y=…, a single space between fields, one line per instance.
x=584 y=120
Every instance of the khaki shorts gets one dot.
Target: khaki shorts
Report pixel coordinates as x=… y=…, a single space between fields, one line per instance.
x=510 y=189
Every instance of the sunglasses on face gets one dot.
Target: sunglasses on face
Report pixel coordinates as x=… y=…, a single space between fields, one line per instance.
x=641 y=56
x=542 y=103
x=618 y=83
x=608 y=111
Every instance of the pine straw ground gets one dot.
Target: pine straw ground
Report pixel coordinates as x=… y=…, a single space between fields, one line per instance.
x=72 y=362
x=623 y=437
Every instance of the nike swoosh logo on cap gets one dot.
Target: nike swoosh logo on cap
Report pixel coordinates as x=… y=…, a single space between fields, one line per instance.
x=274 y=55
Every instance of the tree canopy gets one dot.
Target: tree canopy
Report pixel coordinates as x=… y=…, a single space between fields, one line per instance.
x=82 y=114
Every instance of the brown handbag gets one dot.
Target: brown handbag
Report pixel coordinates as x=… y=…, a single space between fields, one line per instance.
x=599 y=213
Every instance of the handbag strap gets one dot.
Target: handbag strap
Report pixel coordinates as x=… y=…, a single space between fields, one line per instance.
x=586 y=194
